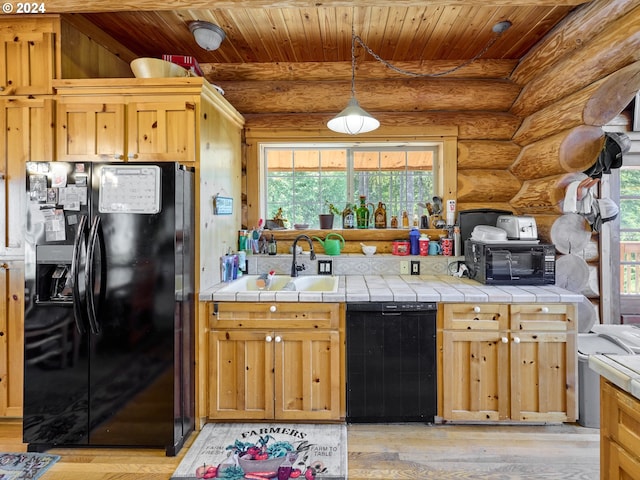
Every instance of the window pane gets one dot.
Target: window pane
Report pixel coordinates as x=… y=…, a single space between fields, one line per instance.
x=300 y=180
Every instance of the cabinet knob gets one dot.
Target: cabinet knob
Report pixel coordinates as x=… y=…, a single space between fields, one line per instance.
x=476 y=309
x=268 y=338
x=133 y=155
x=278 y=338
x=272 y=308
x=505 y=340
x=544 y=309
x=516 y=339
x=5 y=266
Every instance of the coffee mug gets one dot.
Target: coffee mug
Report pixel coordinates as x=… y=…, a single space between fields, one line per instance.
x=434 y=248
x=447 y=246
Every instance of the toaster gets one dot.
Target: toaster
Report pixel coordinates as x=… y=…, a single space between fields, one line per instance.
x=518 y=227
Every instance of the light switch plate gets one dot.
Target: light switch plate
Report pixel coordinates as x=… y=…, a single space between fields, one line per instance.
x=415 y=267
x=325 y=267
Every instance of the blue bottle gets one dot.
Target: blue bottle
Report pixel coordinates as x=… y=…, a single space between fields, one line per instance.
x=414 y=237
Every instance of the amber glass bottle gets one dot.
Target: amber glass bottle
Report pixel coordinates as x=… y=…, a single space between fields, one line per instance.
x=380 y=216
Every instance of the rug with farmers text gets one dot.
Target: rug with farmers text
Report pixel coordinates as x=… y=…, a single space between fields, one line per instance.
x=257 y=451
x=25 y=466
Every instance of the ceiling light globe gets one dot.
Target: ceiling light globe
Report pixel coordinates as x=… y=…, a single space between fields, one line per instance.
x=353 y=120
x=207 y=35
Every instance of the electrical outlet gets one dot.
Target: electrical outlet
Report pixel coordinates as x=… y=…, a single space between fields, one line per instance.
x=415 y=267
x=404 y=267
x=325 y=267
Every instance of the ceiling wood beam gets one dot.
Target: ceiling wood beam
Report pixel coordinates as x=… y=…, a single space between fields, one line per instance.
x=408 y=95
x=314 y=71
x=83 y=6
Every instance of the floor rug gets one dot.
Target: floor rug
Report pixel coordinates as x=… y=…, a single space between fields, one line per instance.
x=240 y=451
x=25 y=466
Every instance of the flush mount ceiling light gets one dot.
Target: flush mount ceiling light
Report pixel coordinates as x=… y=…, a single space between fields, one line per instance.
x=206 y=34
x=353 y=119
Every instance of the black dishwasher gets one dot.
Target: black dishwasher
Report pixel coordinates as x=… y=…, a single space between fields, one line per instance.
x=391 y=362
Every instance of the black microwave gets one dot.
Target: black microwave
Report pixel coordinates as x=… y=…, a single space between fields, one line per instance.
x=511 y=262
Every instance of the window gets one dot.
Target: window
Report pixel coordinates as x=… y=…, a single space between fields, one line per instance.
x=630 y=230
x=299 y=178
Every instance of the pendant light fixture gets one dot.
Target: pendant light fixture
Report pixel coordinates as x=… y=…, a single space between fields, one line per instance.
x=353 y=119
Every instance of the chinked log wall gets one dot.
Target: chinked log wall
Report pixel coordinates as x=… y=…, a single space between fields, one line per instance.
x=574 y=82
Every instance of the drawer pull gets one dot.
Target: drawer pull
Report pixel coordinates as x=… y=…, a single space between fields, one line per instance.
x=505 y=340
x=272 y=308
x=268 y=338
x=278 y=338
x=544 y=309
x=476 y=309
x=516 y=339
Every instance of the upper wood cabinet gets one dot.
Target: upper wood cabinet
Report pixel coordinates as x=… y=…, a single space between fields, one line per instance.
x=27 y=56
x=27 y=134
x=502 y=362
x=126 y=129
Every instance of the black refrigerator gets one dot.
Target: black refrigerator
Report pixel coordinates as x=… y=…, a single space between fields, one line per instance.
x=109 y=305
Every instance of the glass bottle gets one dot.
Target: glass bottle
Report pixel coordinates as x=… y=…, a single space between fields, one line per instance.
x=273 y=246
x=405 y=219
x=363 y=213
x=394 y=221
x=380 y=218
x=348 y=217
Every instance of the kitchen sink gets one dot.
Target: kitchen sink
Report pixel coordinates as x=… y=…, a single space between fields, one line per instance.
x=307 y=283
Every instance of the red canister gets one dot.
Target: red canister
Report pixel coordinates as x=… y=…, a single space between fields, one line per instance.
x=401 y=247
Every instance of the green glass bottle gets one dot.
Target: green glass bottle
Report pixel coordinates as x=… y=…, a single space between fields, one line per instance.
x=362 y=213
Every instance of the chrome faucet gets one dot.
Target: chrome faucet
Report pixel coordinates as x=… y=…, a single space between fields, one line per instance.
x=298 y=268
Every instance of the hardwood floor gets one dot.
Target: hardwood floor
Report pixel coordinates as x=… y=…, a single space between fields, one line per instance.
x=409 y=451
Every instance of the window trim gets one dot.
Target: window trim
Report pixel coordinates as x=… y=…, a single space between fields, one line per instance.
x=436 y=146
x=446 y=183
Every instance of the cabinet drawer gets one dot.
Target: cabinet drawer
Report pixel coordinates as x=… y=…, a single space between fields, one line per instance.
x=274 y=315
x=548 y=317
x=482 y=316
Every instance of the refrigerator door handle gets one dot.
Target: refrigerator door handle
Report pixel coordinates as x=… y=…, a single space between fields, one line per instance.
x=96 y=237
x=79 y=314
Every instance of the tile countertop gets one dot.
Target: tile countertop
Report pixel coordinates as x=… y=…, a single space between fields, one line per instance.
x=405 y=288
x=621 y=370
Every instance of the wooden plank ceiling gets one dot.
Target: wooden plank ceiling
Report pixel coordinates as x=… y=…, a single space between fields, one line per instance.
x=295 y=40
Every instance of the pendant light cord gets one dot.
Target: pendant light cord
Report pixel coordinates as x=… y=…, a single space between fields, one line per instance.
x=498 y=29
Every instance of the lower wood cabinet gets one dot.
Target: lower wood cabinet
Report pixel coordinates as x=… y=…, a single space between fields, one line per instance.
x=11 y=337
x=619 y=433
x=278 y=361
x=502 y=362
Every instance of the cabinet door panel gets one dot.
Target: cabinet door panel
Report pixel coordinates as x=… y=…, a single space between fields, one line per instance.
x=163 y=131
x=540 y=377
x=241 y=376
x=26 y=62
x=11 y=337
x=622 y=464
x=469 y=316
x=547 y=317
x=27 y=134
x=91 y=132
x=475 y=367
x=275 y=315
x=307 y=382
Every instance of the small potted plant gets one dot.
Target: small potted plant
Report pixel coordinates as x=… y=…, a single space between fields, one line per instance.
x=326 y=219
